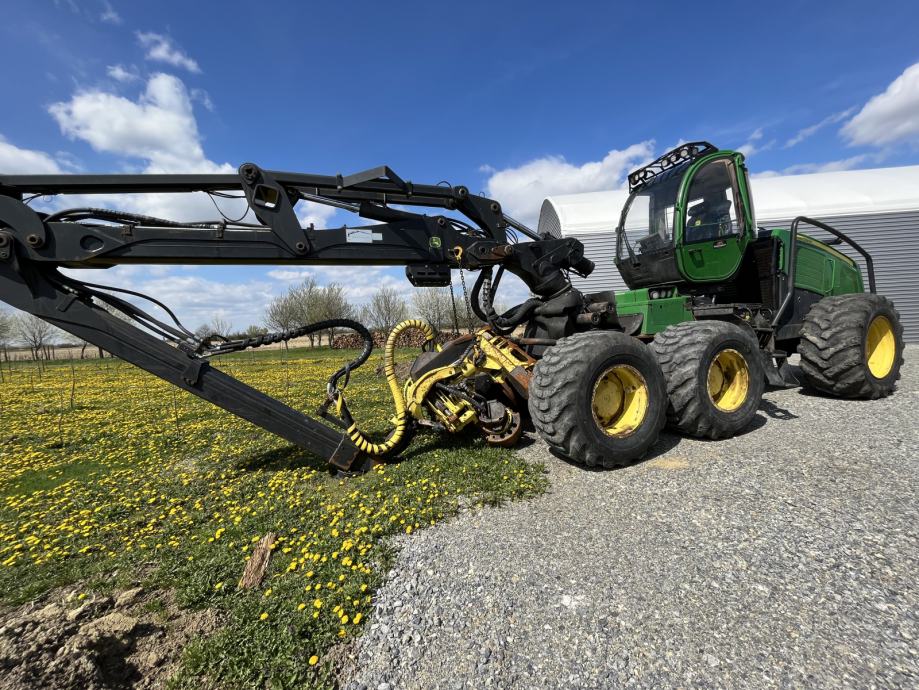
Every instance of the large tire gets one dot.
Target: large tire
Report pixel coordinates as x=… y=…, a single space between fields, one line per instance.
x=715 y=377
x=852 y=346
x=598 y=398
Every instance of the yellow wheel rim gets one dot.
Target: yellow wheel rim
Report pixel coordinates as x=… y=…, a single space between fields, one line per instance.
x=728 y=380
x=880 y=347
x=620 y=400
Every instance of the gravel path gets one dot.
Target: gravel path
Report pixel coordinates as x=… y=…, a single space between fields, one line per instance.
x=785 y=557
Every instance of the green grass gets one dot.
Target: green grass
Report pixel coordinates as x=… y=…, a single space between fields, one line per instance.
x=138 y=484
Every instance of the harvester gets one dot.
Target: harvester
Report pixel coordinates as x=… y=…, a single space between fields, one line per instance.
x=715 y=308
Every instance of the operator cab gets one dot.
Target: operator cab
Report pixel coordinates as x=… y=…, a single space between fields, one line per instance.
x=686 y=220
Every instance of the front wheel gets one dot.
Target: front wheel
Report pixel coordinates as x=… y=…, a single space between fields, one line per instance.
x=598 y=398
x=715 y=377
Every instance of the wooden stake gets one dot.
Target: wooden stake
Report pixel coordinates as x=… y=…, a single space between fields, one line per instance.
x=258 y=562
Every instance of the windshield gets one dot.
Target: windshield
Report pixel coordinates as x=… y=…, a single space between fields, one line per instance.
x=646 y=225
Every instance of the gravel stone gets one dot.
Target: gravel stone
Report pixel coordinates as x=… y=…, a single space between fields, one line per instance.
x=784 y=557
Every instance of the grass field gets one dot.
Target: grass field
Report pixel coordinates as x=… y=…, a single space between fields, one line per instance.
x=109 y=477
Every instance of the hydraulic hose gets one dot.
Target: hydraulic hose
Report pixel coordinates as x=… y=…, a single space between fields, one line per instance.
x=401 y=432
x=505 y=323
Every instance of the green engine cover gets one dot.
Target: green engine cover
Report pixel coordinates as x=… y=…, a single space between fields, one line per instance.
x=819 y=267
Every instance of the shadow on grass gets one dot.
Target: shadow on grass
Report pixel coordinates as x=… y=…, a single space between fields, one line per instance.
x=284 y=458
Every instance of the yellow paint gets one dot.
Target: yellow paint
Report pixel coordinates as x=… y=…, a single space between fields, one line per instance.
x=620 y=400
x=880 y=347
x=400 y=419
x=728 y=380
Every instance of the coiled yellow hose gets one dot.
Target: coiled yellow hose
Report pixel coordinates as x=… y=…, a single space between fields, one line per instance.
x=400 y=419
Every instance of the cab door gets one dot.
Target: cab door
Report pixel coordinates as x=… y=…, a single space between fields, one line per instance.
x=712 y=231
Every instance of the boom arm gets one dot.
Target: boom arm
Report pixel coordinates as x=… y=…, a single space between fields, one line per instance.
x=33 y=246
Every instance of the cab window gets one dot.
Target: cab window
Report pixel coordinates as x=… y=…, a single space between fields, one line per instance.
x=711 y=209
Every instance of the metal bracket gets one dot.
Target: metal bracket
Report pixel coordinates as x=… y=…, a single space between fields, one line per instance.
x=272 y=206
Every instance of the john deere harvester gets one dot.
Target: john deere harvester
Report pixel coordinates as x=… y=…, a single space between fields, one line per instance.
x=716 y=304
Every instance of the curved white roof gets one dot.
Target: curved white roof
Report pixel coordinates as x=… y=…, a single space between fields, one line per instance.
x=780 y=197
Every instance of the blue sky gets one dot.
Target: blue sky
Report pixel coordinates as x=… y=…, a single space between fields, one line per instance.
x=514 y=99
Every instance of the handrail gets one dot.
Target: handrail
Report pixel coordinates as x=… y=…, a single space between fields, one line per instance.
x=793 y=255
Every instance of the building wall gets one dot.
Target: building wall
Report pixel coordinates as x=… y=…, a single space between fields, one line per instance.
x=892 y=239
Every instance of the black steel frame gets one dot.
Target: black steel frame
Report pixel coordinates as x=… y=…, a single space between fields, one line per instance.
x=33 y=246
x=789 y=282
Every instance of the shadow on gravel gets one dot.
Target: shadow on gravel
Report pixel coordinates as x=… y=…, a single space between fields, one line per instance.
x=776 y=412
x=665 y=443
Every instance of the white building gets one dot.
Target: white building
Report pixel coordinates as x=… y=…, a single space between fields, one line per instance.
x=878 y=208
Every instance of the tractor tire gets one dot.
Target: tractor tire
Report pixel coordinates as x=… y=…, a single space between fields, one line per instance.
x=598 y=398
x=852 y=346
x=715 y=377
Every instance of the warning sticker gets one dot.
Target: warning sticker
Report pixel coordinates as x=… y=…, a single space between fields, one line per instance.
x=363 y=235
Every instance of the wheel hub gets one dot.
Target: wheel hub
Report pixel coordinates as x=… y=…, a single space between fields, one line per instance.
x=728 y=380
x=880 y=347
x=619 y=400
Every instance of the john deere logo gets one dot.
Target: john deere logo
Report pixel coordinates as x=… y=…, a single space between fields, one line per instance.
x=435 y=242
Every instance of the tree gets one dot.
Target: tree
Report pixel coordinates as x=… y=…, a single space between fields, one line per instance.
x=333 y=304
x=221 y=326
x=7 y=331
x=385 y=309
x=305 y=297
x=435 y=306
x=281 y=314
x=34 y=333
x=254 y=331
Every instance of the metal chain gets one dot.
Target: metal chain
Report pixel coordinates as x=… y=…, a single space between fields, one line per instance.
x=466 y=300
x=453 y=303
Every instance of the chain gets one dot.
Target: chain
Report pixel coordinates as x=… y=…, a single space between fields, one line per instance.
x=466 y=300
x=453 y=304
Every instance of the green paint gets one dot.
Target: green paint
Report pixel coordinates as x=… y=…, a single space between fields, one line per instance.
x=658 y=313
x=820 y=268
x=718 y=259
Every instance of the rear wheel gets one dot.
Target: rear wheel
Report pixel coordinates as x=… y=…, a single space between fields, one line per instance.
x=598 y=398
x=715 y=377
x=852 y=346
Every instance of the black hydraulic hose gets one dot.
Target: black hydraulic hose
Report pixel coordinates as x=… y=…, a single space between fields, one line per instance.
x=504 y=323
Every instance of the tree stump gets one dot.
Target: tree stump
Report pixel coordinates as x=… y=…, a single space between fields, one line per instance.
x=258 y=562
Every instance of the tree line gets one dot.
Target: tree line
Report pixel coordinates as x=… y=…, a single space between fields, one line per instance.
x=303 y=304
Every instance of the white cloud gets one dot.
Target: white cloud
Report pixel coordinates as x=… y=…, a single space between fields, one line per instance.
x=832 y=166
x=850 y=163
x=752 y=145
x=109 y=15
x=161 y=49
x=194 y=298
x=889 y=117
x=203 y=97
x=159 y=128
x=808 y=132
x=122 y=73
x=17 y=161
x=521 y=190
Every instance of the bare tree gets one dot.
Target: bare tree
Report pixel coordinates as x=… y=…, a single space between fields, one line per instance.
x=281 y=314
x=254 y=331
x=221 y=326
x=35 y=334
x=435 y=306
x=333 y=304
x=306 y=297
x=7 y=332
x=385 y=309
